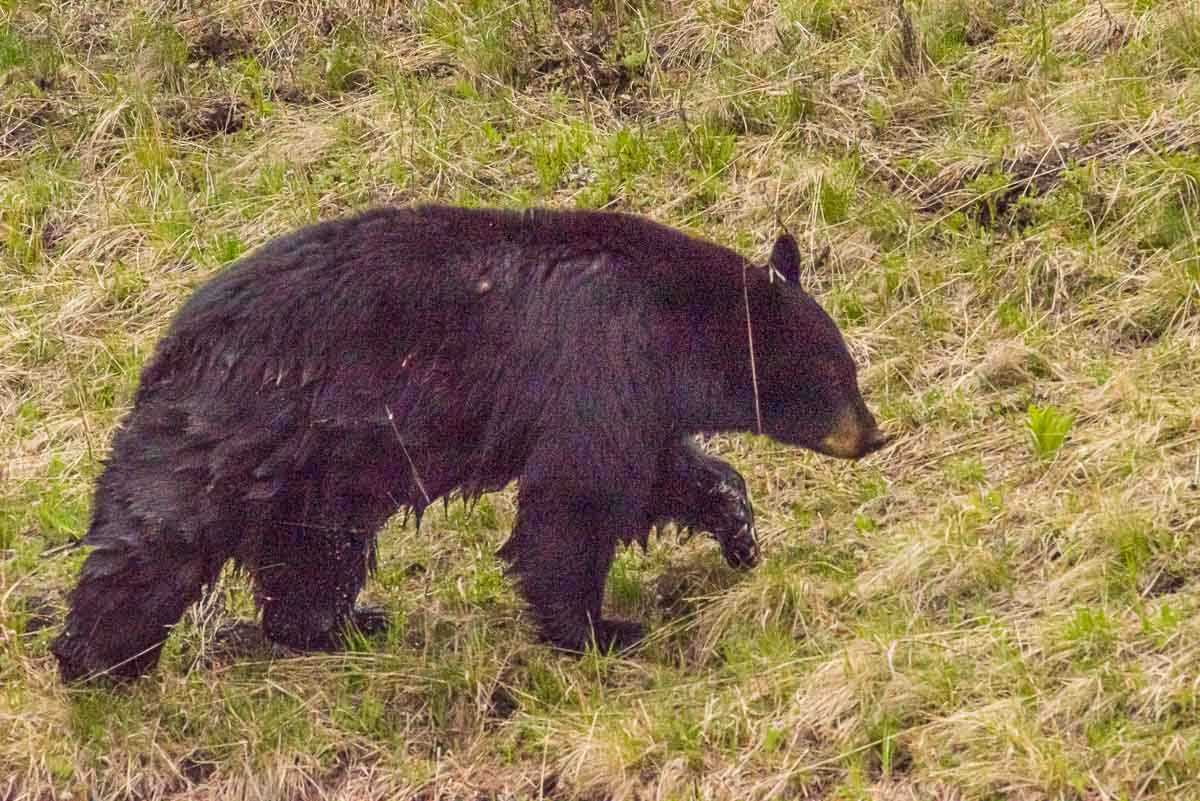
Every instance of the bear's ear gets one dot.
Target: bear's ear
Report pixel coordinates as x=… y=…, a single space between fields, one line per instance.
x=785 y=258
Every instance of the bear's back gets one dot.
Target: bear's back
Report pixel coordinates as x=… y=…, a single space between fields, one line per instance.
x=397 y=279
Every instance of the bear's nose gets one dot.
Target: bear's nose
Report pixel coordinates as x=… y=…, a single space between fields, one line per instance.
x=854 y=434
x=874 y=441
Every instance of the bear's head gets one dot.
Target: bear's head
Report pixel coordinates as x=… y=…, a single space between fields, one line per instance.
x=806 y=381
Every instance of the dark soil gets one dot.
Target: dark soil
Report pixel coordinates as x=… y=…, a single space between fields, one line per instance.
x=213 y=116
x=235 y=641
x=219 y=46
x=40 y=613
x=294 y=94
x=20 y=128
x=583 y=58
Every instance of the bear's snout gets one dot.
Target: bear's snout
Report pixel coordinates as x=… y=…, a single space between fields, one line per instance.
x=854 y=434
x=875 y=440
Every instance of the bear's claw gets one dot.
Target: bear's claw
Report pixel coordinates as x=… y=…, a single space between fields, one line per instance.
x=618 y=635
x=369 y=621
x=740 y=549
x=731 y=520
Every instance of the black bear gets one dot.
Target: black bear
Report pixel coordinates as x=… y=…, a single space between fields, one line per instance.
x=386 y=359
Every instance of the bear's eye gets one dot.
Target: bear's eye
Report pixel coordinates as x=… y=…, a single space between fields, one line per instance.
x=796 y=401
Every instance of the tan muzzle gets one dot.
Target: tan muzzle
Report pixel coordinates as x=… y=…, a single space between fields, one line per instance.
x=853 y=436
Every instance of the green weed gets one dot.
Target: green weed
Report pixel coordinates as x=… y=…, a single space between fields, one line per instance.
x=554 y=152
x=821 y=18
x=344 y=65
x=1048 y=428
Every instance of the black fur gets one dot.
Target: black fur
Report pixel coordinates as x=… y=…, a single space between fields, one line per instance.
x=381 y=361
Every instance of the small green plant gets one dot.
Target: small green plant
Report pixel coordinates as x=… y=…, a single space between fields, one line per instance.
x=773 y=739
x=344 y=66
x=944 y=30
x=1159 y=624
x=1011 y=316
x=630 y=154
x=163 y=53
x=1092 y=631
x=33 y=60
x=988 y=188
x=884 y=732
x=1048 y=428
x=724 y=12
x=1042 y=50
x=848 y=307
x=821 y=18
x=13 y=49
x=1181 y=40
x=795 y=105
x=226 y=248
x=1172 y=225
x=966 y=470
x=834 y=198
x=712 y=149
x=556 y=151
x=625 y=584
x=879 y=112
x=491 y=36
x=865 y=524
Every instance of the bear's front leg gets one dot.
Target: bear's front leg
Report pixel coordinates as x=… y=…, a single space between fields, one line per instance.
x=560 y=551
x=309 y=569
x=698 y=491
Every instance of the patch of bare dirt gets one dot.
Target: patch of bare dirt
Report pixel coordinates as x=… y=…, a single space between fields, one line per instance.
x=235 y=641
x=294 y=94
x=502 y=704
x=40 y=613
x=583 y=59
x=1164 y=581
x=54 y=231
x=214 y=43
x=197 y=766
x=21 y=126
x=213 y=116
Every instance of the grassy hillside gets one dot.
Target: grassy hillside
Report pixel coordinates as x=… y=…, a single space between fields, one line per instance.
x=1002 y=605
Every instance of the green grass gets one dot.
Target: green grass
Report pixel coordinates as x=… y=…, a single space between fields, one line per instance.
x=1002 y=605
x=1048 y=429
